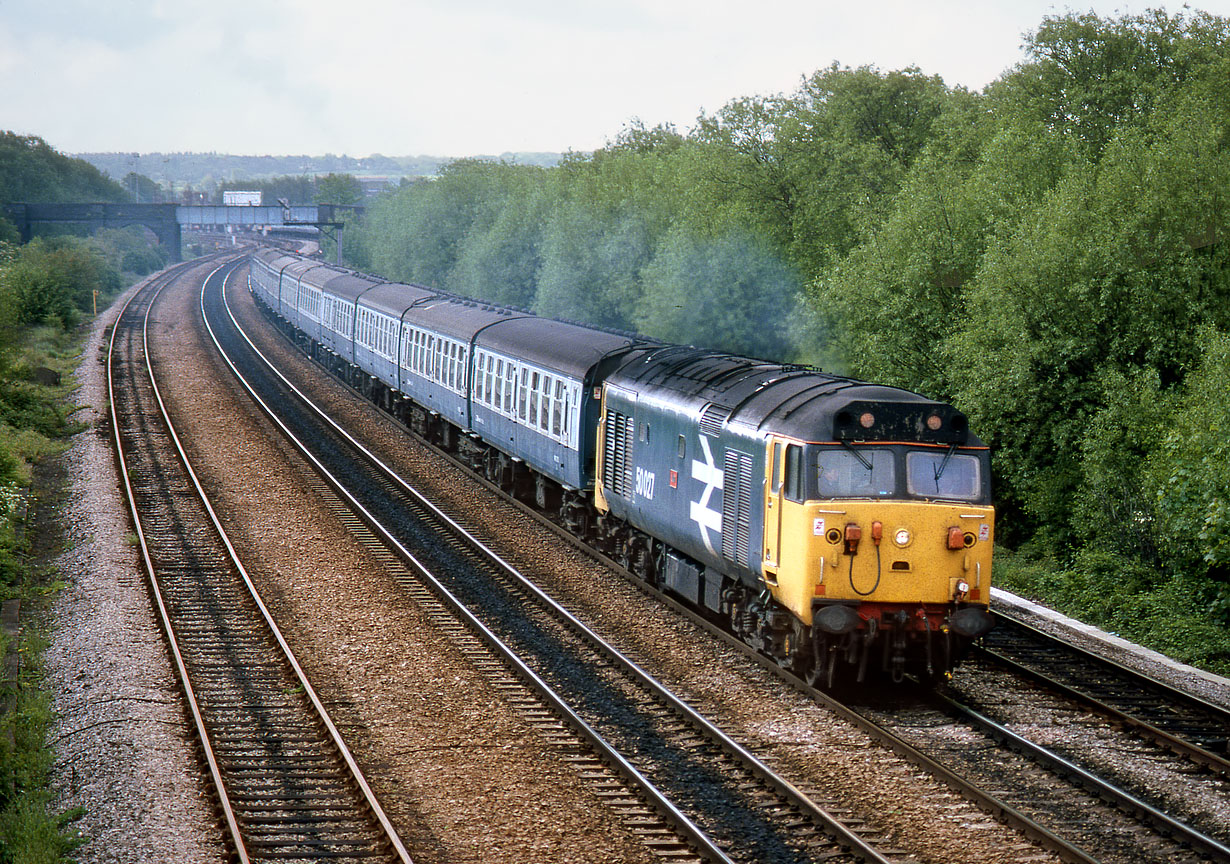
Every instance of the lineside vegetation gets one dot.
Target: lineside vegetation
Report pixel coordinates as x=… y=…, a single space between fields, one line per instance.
x=47 y=288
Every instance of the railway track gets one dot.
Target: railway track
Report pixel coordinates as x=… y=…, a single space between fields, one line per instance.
x=723 y=802
x=1069 y=836
x=287 y=788
x=1185 y=724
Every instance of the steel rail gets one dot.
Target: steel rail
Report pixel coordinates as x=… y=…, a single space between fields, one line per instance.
x=356 y=774
x=1124 y=800
x=181 y=667
x=1177 y=745
x=677 y=818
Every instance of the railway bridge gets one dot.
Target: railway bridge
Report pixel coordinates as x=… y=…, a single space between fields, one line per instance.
x=168 y=220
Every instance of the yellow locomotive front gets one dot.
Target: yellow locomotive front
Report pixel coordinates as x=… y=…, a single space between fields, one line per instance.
x=881 y=552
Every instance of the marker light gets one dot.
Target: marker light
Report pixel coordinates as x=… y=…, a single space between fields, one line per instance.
x=902 y=537
x=853 y=534
x=956 y=538
x=866 y=419
x=934 y=422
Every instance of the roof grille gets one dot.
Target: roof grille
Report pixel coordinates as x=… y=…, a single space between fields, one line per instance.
x=712 y=419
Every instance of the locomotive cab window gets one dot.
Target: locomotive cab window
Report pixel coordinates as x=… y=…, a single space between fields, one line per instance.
x=794 y=472
x=775 y=482
x=943 y=474
x=861 y=473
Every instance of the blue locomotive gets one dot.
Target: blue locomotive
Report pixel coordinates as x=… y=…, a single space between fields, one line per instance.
x=841 y=527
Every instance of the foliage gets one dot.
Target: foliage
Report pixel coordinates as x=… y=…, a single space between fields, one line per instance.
x=53 y=280
x=1188 y=475
x=338 y=189
x=701 y=290
x=141 y=189
x=129 y=250
x=30 y=170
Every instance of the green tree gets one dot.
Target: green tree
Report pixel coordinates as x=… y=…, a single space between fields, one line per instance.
x=729 y=293
x=1089 y=76
x=501 y=255
x=53 y=280
x=338 y=189
x=141 y=189
x=30 y=170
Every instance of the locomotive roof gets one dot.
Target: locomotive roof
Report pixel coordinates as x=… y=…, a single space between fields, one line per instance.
x=793 y=401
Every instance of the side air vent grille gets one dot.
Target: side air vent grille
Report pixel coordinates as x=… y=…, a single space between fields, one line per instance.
x=736 y=506
x=617 y=454
x=712 y=419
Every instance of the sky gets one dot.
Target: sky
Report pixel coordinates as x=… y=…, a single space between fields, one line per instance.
x=461 y=77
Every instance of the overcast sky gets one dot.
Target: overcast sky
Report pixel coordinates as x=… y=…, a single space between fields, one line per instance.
x=459 y=77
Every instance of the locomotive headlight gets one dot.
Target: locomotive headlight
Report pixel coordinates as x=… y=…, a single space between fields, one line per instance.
x=902 y=537
x=962 y=588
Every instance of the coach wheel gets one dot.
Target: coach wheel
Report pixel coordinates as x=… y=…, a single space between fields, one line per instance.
x=545 y=496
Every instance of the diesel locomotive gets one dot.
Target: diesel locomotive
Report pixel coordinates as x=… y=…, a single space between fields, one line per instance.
x=843 y=528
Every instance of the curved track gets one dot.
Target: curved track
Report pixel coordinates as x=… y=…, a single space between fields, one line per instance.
x=287 y=787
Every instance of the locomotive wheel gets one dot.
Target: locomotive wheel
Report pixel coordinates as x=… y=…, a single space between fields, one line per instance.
x=734 y=611
x=823 y=670
x=796 y=650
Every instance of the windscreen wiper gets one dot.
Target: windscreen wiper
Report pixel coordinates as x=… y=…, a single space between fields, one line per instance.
x=939 y=472
x=857 y=455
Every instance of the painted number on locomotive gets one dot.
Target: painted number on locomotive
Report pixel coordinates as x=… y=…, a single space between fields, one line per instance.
x=644 y=483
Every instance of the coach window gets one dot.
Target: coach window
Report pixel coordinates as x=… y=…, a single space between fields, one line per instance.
x=794 y=472
x=532 y=418
x=522 y=394
x=557 y=410
x=544 y=420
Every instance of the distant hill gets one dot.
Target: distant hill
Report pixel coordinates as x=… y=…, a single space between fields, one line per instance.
x=201 y=169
